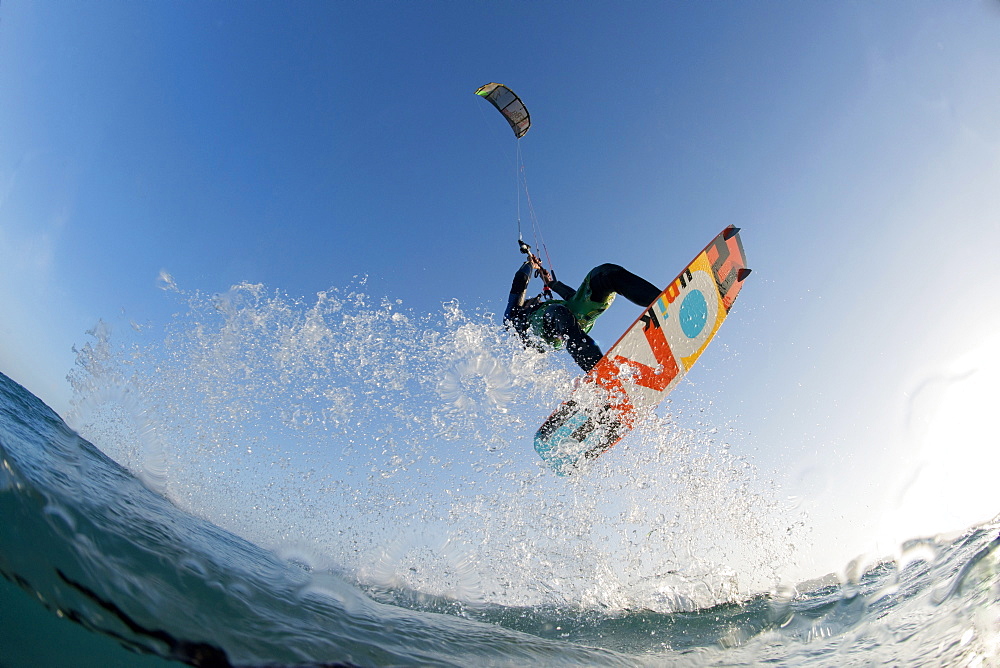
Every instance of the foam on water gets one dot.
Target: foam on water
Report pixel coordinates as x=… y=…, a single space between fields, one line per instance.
x=347 y=433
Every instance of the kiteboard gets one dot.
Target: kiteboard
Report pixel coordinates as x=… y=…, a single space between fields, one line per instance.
x=649 y=359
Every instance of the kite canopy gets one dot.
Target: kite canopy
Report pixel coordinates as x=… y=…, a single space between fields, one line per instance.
x=510 y=106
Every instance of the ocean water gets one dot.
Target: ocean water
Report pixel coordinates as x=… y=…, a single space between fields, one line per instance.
x=269 y=481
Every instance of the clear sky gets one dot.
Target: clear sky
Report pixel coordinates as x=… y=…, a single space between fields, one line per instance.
x=302 y=144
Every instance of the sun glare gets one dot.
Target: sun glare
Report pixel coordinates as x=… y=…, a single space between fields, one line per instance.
x=948 y=480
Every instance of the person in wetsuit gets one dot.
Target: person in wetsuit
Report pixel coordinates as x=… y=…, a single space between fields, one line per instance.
x=567 y=321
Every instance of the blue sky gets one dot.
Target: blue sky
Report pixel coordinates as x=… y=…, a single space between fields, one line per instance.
x=302 y=144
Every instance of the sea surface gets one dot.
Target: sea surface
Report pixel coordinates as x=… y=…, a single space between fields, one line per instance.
x=272 y=482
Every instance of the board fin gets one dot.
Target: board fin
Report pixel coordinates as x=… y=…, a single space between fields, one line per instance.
x=743 y=273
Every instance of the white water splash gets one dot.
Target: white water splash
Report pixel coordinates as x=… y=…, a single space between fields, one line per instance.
x=397 y=447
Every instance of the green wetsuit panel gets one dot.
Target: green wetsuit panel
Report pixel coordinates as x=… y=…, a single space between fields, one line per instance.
x=584 y=309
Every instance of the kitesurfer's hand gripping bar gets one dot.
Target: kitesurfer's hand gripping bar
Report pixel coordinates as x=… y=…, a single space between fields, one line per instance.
x=540 y=271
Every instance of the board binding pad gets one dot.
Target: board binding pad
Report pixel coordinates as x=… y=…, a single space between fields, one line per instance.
x=649 y=360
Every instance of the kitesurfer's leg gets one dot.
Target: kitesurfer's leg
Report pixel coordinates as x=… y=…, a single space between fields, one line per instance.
x=612 y=278
x=558 y=322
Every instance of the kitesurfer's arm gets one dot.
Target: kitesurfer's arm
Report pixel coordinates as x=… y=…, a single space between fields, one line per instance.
x=562 y=289
x=518 y=289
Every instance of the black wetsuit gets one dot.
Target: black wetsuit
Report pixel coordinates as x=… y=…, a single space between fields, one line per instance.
x=567 y=321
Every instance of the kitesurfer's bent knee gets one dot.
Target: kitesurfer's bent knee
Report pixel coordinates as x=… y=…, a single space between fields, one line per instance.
x=558 y=322
x=607 y=279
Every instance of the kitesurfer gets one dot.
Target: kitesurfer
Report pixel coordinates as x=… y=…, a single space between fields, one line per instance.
x=567 y=321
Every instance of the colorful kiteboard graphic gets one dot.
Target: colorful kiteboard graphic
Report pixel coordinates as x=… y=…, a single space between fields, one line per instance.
x=649 y=360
